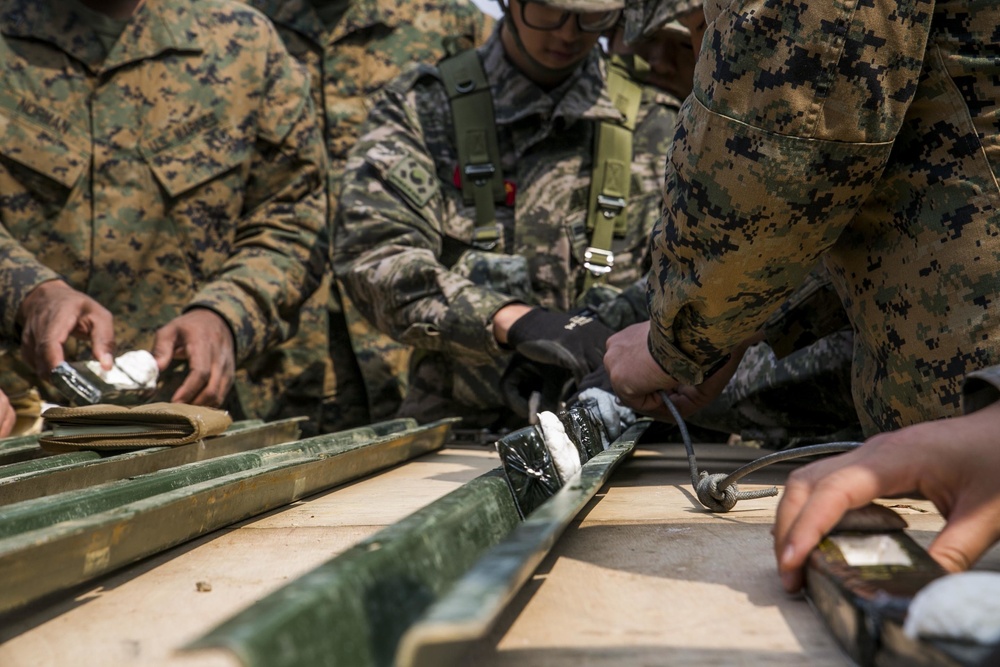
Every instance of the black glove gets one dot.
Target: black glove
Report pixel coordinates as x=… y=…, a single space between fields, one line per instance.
x=525 y=377
x=574 y=342
x=598 y=378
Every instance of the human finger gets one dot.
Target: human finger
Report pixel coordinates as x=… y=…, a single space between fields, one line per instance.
x=194 y=383
x=7 y=416
x=165 y=345
x=100 y=323
x=47 y=339
x=964 y=539
x=217 y=383
x=815 y=500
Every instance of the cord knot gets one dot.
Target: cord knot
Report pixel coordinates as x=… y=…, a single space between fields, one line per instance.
x=710 y=496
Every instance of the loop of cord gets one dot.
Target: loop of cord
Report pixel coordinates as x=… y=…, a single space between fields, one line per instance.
x=718 y=492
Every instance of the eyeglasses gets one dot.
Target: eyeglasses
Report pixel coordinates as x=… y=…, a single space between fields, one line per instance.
x=542 y=17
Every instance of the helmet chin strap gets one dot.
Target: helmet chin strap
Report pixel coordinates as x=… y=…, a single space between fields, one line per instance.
x=536 y=69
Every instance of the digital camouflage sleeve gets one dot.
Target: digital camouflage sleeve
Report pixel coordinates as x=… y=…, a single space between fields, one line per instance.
x=867 y=135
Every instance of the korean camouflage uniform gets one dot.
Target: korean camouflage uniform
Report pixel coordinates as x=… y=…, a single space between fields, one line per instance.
x=184 y=169
x=363 y=371
x=404 y=237
x=867 y=136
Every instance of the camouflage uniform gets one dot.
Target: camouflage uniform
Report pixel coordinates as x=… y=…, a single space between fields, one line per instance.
x=348 y=63
x=183 y=170
x=404 y=237
x=865 y=135
x=795 y=387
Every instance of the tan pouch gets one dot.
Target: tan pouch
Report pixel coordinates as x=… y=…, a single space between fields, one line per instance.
x=117 y=427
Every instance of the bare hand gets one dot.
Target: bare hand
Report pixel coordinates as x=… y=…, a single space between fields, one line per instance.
x=203 y=338
x=951 y=462
x=636 y=377
x=7 y=416
x=54 y=311
x=690 y=398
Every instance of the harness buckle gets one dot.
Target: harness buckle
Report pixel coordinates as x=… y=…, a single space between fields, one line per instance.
x=480 y=173
x=610 y=206
x=598 y=261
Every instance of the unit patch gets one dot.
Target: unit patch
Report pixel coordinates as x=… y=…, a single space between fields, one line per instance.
x=413 y=180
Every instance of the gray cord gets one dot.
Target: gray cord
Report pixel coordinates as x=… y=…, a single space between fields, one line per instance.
x=719 y=492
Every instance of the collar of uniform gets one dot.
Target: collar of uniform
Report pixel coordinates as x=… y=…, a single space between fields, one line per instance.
x=155 y=27
x=515 y=97
x=297 y=15
x=364 y=14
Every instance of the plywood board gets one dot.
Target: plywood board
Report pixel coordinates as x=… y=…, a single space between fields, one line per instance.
x=140 y=615
x=645 y=577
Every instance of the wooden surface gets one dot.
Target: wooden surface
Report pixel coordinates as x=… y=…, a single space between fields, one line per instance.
x=643 y=578
x=140 y=615
x=646 y=578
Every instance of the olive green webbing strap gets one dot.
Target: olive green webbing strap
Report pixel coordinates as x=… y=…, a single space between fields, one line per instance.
x=609 y=185
x=476 y=138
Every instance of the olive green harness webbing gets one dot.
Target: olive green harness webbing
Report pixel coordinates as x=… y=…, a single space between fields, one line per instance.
x=611 y=177
x=479 y=156
x=476 y=138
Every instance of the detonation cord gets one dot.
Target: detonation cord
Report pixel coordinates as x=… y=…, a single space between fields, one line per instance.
x=718 y=492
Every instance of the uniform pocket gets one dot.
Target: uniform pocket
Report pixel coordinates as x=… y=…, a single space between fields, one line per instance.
x=42 y=161
x=197 y=160
x=204 y=179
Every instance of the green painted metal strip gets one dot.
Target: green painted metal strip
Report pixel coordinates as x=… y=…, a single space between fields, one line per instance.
x=39 y=513
x=78 y=470
x=35 y=466
x=45 y=461
x=444 y=633
x=20 y=448
x=41 y=562
x=353 y=609
x=17 y=441
x=25 y=447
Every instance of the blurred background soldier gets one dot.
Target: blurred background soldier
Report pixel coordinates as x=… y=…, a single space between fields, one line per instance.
x=668 y=53
x=161 y=189
x=514 y=235
x=339 y=370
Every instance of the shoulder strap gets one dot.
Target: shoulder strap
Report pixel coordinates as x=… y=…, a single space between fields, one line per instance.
x=611 y=177
x=476 y=140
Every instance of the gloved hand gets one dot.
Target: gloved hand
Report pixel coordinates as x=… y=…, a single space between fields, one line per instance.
x=605 y=406
x=574 y=342
x=524 y=378
x=594 y=392
x=595 y=379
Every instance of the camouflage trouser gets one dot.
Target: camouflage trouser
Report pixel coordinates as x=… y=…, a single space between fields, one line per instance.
x=383 y=363
x=348 y=406
x=803 y=397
